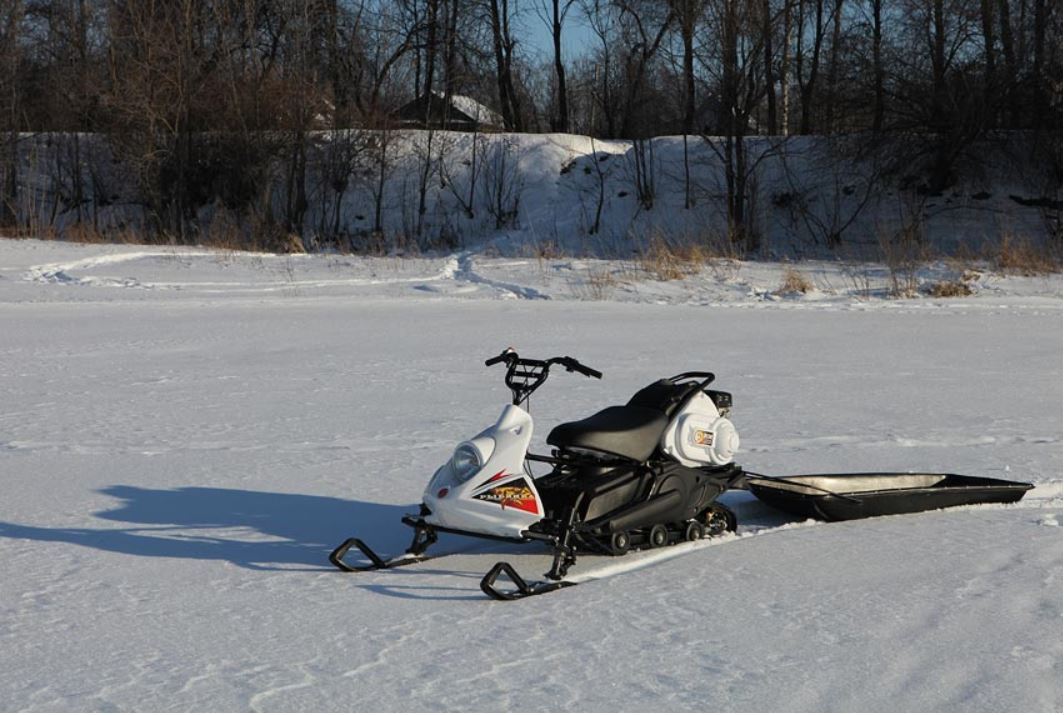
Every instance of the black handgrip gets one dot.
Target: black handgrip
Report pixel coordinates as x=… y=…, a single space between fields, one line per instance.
x=572 y=364
x=505 y=355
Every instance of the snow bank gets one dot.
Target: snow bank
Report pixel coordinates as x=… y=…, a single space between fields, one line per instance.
x=527 y=194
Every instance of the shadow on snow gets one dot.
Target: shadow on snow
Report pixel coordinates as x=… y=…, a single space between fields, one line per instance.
x=273 y=531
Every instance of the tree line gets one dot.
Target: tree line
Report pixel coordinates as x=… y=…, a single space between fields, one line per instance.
x=218 y=101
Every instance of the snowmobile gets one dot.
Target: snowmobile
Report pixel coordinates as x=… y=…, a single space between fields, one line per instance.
x=641 y=475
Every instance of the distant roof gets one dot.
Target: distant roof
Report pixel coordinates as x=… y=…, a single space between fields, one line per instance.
x=461 y=112
x=474 y=109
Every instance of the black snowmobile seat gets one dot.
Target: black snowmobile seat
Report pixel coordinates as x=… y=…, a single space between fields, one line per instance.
x=631 y=432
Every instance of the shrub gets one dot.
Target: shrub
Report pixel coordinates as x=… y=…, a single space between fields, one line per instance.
x=949 y=289
x=794 y=282
x=1021 y=256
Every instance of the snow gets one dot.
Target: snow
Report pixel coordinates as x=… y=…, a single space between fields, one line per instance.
x=186 y=433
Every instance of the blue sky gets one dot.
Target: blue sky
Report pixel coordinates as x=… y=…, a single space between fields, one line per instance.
x=534 y=34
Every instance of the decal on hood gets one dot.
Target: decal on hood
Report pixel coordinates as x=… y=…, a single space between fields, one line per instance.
x=501 y=474
x=512 y=495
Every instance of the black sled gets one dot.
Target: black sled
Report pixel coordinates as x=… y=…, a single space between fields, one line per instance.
x=839 y=497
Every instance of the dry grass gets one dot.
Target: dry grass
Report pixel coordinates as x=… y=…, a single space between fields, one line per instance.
x=84 y=233
x=794 y=282
x=547 y=250
x=670 y=262
x=599 y=285
x=1021 y=256
x=87 y=233
x=949 y=289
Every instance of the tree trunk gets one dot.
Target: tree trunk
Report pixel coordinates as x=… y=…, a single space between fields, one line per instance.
x=734 y=169
x=431 y=41
x=808 y=86
x=687 y=30
x=500 y=65
x=770 y=86
x=986 y=17
x=646 y=50
x=1038 y=68
x=938 y=66
x=1008 y=50
x=833 y=67
x=450 y=70
x=561 y=117
x=508 y=56
x=785 y=68
x=9 y=116
x=877 y=65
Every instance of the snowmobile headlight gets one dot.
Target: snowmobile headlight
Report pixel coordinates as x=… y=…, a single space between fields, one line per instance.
x=465 y=462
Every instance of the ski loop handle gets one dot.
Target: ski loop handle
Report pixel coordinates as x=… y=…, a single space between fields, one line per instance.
x=487 y=584
x=337 y=556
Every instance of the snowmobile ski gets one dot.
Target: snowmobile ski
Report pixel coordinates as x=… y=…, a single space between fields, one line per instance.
x=522 y=588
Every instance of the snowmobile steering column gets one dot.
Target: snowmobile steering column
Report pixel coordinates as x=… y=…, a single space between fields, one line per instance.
x=524 y=375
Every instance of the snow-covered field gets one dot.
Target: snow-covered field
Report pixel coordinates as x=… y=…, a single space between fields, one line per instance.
x=185 y=434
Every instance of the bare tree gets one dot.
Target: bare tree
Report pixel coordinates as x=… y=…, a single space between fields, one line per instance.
x=689 y=14
x=738 y=30
x=644 y=24
x=767 y=31
x=11 y=16
x=878 y=72
x=500 y=13
x=463 y=184
x=344 y=152
x=553 y=13
x=601 y=17
x=807 y=81
x=501 y=185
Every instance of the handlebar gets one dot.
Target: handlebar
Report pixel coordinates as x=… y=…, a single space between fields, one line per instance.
x=524 y=375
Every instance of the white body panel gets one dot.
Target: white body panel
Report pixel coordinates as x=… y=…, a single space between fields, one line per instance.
x=698 y=435
x=500 y=498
